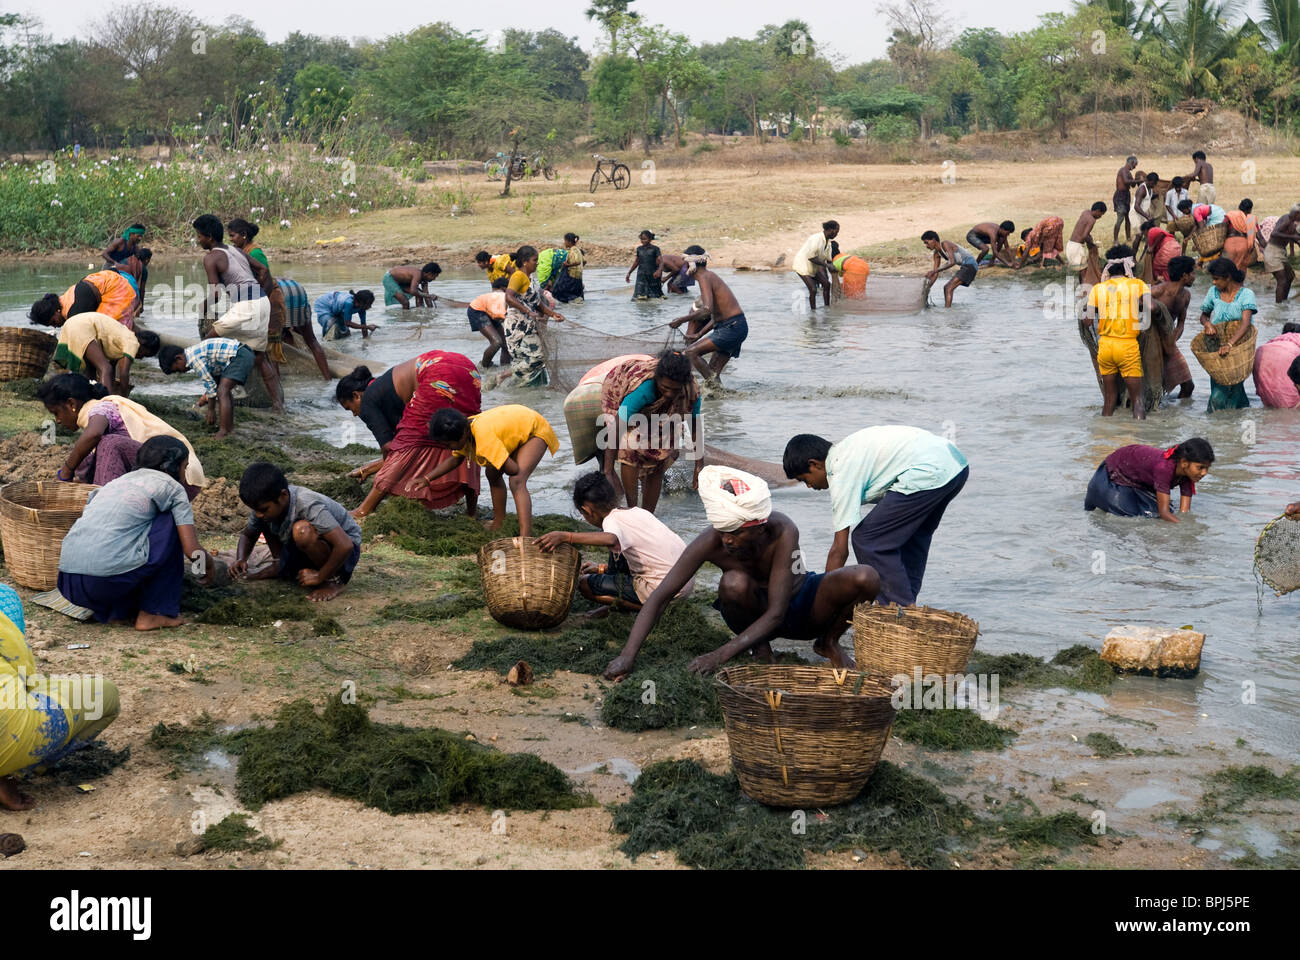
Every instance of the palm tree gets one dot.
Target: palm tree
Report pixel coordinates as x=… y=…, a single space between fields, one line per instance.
x=1134 y=17
x=613 y=15
x=1281 y=27
x=1197 y=37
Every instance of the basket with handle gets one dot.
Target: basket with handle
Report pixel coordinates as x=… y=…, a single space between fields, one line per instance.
x=891 y=640
x=525 y=586
x=804 y=735
x=1234 y=368
x=34 y=519
x=24 y=353
x=1209 y=240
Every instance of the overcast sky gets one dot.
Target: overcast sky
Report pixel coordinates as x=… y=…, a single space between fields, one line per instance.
x=852 y=29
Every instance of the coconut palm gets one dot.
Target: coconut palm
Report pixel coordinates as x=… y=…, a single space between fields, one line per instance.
x=1197 y=37
x=1134 y=17
x=1281 y=26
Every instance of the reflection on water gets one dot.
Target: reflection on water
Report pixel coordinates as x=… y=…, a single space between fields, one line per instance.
x=1015 y=389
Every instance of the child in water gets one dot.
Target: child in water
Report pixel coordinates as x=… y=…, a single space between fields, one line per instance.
x=1137 y=480
x=507 y=441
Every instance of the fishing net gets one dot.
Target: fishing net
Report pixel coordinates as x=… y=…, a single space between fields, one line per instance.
x=572 y=349
x=886 y=295
x=1150 y=343
x=1277 y=555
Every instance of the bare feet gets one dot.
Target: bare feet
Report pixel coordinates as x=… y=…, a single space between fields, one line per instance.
x=328 y=592
x=494 y=524
x=358 y=514
x=833 y=652
x=154 y=621
x=220 y=435
x=597 y=614
x=11 y=798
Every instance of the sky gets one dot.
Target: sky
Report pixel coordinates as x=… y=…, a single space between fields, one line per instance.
x=853 y=30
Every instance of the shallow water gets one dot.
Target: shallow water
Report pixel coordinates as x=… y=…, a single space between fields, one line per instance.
x=1015 y=390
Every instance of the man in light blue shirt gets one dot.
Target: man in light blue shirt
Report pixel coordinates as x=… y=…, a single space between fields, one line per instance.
x=910 y=474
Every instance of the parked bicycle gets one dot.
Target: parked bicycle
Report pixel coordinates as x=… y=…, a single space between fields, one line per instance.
x=617 y=174
x=524 y=167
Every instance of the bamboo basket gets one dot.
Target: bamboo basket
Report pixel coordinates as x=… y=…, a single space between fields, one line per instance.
x=1184 y=224
x=527 y=588
x=1209 y=240
x=892 y=640
x=802 y=735
x=24 y=354
x=1237 y=365
x=34 y=519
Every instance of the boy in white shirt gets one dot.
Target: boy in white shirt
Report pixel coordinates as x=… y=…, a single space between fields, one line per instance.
x=641 y=548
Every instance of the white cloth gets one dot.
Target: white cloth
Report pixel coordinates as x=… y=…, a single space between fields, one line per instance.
x=815 y=252
x=1076 y=255
x=246 y=321
x=728 y=511
x=649 y=547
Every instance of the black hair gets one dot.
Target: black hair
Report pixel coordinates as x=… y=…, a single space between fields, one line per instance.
x=694 y=250
x=44 y=309
x=1198 y=155
x=1180 y=266
x=1176 y=183
x=69 y=386
x=674 y=366
x=137 y=226
x=143 y=254
x=500 y=283
x=525 y=252
x=1118 y=252
x=1025 y=233
x=482 y=257
x=1008 y=226
x=929 y=235
x=1153 y=178
x=209 y=226
x=1291 y=327
x=167 y=357
x=240 y=225
x=830 y=225
x=1185 y=206
x=800 y=450
x=1223 y=267
x=359 y=295
x=162 y=453
x=432 y=268
x=261 y=483
x=448 y=425
x=571 y=238
x=835 y=248
x=1293 y=371
x=354 y=382
x=1197 y=450
x=594 y=488
x=1147 y=225
x=1099 y=207
x=647 y=233
x=150 y=343
x=1246 y=205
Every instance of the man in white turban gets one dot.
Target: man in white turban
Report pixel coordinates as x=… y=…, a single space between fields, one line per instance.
x=765 y=591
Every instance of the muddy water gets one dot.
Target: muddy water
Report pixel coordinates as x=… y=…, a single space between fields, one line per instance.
x=1016 y=391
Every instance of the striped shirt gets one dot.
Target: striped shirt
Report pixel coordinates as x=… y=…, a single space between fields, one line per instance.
x=297 y=307
x=209 y=357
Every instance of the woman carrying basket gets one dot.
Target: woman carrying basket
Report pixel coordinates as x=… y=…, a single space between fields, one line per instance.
x=1227 y=300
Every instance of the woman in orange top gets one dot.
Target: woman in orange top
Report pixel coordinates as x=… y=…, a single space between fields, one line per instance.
x=854 y=271
x=107 y=292
x=1239 y=247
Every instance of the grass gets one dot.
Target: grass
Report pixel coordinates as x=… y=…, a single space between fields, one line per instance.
x=416 y=529
x=235 y=834
x=1104 y=745
x=1231 y=788
x=951 y=730
x=1079 y=667
x=257 y=606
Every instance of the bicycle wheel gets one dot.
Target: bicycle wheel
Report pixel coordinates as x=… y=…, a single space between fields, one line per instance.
x=494 y=170
x=622 y=177
x=595 y=180
x=548 y=171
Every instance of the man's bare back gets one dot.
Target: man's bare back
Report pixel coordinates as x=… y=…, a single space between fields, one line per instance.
x=1204 y=172
x=1083 y=227
x=717 y=295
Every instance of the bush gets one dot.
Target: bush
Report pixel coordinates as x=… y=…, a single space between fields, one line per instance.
x=841 y=138
x=893 y=129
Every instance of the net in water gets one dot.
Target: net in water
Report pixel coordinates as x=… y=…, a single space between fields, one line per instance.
x=1277 y=555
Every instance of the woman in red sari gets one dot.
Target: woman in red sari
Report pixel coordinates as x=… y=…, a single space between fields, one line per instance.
x=1164 y=248
x=435 y=380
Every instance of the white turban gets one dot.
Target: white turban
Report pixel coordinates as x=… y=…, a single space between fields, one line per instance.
x=733 y=498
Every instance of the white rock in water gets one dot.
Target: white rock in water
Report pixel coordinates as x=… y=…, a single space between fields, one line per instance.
x=1154 y=651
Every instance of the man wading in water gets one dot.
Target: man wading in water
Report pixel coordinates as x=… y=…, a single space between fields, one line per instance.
x=765 y=592
x=725 y=328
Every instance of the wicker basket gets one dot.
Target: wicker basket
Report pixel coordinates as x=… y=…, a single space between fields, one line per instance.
x=24 y=354
x=1184 y=224
x=892 y=640
x=526 y=587
x=34 y=519
x=802 y=735
x=1209 y=240
x=1237 y=365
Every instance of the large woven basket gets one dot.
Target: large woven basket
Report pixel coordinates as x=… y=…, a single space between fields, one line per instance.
x=526 y=587
x=24 y=353
x=802 y=735
x=1209 y=240
x=34 y=519
x=892 y=640
x=1184 y=224
x=1237 y=365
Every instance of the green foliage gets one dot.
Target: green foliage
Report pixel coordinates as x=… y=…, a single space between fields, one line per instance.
x=235 y=834
x=257 y=605
x=1079 y=667
x=653 y=698
x=892 y=128
x=414 y=528
x=945 y=729
x=322 y=96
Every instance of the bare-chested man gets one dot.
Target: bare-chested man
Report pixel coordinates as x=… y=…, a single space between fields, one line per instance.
x=992 y=242
x=764 y=593
x=1175 y=294
x=1204 y=173
x=954 y=255
x=1122 y=199
x=402 y=284
x=1276 y=262
x=1081 y=242
x=724 y=328
x=672 y=271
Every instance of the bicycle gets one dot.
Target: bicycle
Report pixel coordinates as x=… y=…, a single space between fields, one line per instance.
x=521 y=167
x=618 y=174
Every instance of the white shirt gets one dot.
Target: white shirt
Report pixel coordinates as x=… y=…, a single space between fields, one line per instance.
x=649 y=547
x=816 y=247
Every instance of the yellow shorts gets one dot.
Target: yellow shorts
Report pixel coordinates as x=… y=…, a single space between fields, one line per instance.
x=1119 y=355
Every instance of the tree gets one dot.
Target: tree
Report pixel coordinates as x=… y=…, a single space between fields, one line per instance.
x=556 y=62
x=614 y=16
x=615 y=100
x=1281 y=25
x=918 y=29
x=1198 y=38
x=669 y=66
x=739 y=96
x=321 y=95
x=800 y=79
